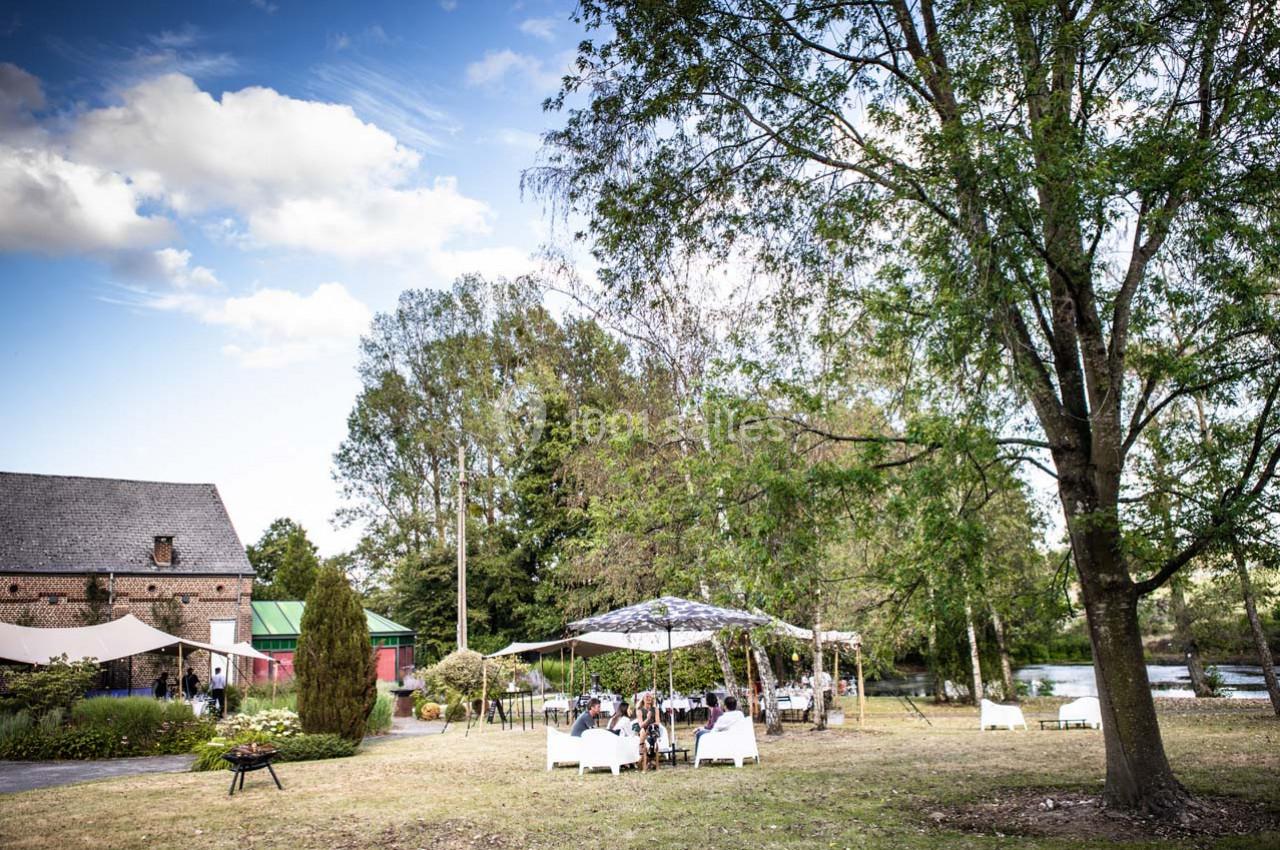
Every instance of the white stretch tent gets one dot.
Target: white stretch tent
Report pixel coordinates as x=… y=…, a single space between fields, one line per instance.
x=591 y=644
x=104 y=642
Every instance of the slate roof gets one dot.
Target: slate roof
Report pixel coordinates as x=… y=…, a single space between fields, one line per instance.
x=59 y=523
x=283 y=618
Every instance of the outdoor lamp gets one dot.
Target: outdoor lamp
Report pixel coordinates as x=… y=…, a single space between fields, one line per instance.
x=795 y=656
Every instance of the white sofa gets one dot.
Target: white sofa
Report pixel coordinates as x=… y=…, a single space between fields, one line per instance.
x=1085 y=710
x=994 y=714
x=562 y=748
x=602 y=748
x=736 y=743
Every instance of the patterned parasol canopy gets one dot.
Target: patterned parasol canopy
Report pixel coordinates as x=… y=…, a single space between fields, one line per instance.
x=669 y=613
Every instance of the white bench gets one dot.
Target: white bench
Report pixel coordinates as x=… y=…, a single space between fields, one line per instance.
x=734 y=744
x=994 y=714
x=1086 y=710
x=602 y=748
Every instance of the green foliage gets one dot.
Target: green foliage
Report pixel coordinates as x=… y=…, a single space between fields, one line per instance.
x=284 y=560
x=168 y=615
x=254 y=704
x=131 y=718
x=277 y=723
x=14 y=724
x=315 y=747
x=1215 y=681
x=59 y=684
x=334 y=663
x=461 y=672
x=379 y=722
x=235 y=698
x=97 y=602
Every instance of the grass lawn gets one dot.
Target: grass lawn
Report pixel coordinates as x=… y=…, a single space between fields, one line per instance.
x=885 y=787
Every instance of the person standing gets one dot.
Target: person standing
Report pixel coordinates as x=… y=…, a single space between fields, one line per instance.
x=190 y=683
x=218 y=690
x=160 y=687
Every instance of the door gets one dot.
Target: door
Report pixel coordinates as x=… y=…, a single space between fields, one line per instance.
x=222 y=633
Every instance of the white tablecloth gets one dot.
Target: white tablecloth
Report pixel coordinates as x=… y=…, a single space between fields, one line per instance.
x=677 y=704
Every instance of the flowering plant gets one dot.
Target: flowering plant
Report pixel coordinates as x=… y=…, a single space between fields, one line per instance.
x=277 y=723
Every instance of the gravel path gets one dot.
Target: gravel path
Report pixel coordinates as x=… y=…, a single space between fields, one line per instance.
x=26 y=775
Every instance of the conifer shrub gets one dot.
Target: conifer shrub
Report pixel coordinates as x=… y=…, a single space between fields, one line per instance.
x=335 y=665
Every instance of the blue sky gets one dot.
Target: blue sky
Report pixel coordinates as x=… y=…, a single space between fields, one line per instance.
x=202 y=205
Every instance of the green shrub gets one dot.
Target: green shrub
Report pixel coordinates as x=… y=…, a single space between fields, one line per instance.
x=134 y=718
x=51 y=721
x=379 y=721
x=277 y=723
x=460 y=671
x=429 y=711
x=234 y=697
x=1214 y=681
x=255 y=704
x=58 y=684
x=66 y=743
x=14 y=724
x=334 y=664
x=315 y=747
x=178 y=738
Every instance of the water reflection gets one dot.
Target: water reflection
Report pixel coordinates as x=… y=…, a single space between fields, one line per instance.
x=1077 y=680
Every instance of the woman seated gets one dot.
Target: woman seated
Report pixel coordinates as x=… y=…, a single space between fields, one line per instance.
x=650 y=732
x=620 y=723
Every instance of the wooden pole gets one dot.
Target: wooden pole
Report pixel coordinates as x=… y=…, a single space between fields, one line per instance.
x=835 y=662
x=751 y=691
x=572 y=649
x=862 y=702
x=462 y=546
x=184 y=696
x=563 y=689
x=484 y=693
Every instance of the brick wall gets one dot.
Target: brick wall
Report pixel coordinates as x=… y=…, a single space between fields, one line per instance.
x=24 y=598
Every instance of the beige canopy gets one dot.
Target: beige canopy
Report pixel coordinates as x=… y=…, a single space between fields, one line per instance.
x=591 y=644
x=104 y=642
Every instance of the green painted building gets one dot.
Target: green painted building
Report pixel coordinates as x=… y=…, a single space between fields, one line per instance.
x=276 y=625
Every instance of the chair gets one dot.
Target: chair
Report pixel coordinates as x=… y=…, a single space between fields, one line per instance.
x=736 y=743
x=1086 y=710
x=602 y=748
x=563 y=748
x=994 y=714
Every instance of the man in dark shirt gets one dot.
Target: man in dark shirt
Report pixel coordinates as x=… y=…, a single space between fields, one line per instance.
x=587 y=719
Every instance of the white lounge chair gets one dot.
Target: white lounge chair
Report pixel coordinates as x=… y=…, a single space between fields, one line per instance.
x=735 y=744
x=1086 y=710
x=602 y=748
x=563 y=748
x=994 y=714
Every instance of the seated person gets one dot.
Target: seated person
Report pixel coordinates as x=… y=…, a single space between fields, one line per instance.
x=587 y=719
x=713 y=714
x=620 y=723
x=731 y=715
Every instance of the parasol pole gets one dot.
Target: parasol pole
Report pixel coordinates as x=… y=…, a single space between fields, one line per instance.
x=671 y=692
x=751 y=691
x=572 y=651
x=180 y=679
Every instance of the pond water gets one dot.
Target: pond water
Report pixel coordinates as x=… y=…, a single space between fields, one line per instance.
x=1077 y=680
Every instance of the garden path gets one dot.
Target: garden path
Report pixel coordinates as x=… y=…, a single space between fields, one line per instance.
x=26 y=775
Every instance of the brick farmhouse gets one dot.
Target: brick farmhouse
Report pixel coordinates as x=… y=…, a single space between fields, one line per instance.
x=75 y=551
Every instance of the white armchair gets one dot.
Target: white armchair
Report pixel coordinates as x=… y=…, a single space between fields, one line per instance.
x=563 y=748
x=994 y=714
x=736 y=743
x=602 y=748
x=1086 y=710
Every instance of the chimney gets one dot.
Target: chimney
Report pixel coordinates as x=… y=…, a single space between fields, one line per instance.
x=162 y=554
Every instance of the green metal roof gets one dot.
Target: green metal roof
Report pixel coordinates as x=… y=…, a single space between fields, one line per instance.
x=284 y=619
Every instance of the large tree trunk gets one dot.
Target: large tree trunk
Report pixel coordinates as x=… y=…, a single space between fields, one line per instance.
x=1138 y=772
x=1184 y=640
x=975 y=660
x=819 y=706
x=1255 y=625
x=769 y=687
x=1006 y=664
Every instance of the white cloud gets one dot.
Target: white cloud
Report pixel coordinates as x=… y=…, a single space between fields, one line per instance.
x=21 y=95
x=174 y=265
x=278 y=327
x=252 y=148
x=52 y=205
x=497 y=65
x=543 y=28
x=448 y=5
x=381 y=223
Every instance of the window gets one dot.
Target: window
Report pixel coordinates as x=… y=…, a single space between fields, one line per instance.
x=13 y=588
x=53 y=599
